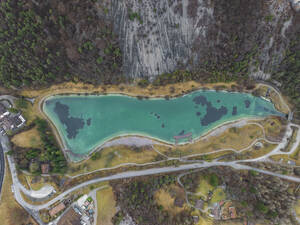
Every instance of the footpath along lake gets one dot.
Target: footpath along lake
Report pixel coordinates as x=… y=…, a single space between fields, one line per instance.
x=85 y=122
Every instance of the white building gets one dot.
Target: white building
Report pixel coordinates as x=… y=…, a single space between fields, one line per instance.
x=81 y=201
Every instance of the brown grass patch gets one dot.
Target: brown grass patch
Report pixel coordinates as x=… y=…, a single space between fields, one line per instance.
x=113 y=156
x=236 y=138
x=166 y=197
x=28 y=139
x=106 y=206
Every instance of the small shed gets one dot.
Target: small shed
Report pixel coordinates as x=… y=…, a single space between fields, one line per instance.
x=45 y=168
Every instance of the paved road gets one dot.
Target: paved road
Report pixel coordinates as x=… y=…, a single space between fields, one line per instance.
x=147 y=172
x=2 y=167
x=33 y=209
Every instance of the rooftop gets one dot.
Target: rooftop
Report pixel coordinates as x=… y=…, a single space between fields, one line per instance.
x=57 y=209
x=45 y=168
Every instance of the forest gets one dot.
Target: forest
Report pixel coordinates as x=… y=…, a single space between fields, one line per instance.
x=136 y=198
x=49 y=153
x=288 y=74
x=47 y=42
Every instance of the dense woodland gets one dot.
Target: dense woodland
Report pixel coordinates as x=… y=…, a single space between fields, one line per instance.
x=260 y=196
x=42 y=42
x=50 y=153
x=136 y=198
x=288 y=74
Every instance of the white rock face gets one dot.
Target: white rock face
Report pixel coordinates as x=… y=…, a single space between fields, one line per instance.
x=164 y=38
x=160 y=36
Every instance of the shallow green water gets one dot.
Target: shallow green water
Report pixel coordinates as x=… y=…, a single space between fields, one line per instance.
x=85 y=122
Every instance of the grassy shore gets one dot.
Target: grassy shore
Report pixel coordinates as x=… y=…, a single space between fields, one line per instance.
x=111 y=157
x=170 y=90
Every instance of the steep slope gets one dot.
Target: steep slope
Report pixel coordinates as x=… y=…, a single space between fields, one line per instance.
x=42 y=42
x=161 y=35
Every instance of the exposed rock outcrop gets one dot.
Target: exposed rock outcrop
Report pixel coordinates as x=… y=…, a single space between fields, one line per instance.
x=160 y=36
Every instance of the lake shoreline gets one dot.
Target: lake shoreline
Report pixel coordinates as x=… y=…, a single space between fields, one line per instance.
x=142 y=136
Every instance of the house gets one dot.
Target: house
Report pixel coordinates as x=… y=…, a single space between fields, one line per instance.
x=45 y=168
x=232 y=212
x=7 y=124
x=18 y=121
x=291 y=162
x=199 y=204
x=10 y=123
x=3 y=111
x=81 y=201
x=60 y=207
x=295 y=5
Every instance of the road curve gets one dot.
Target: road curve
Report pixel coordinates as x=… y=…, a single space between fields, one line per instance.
x=2 y=168
x=147 y=172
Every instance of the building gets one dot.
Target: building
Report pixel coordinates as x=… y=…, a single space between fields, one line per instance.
x=7 y=123
x=60 y=207
x=81 y=201
x=45 y=168
x=199 y=204
x=232 y=212
x=12 y=122
x=296 y=5
x=291 y=162
x=3 y=111
x=18 y=121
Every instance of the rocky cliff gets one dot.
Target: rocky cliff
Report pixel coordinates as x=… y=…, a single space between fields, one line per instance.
x=159 y=36
x=43 y=41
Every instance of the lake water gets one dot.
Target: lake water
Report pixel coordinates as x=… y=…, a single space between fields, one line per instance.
x=85 y=122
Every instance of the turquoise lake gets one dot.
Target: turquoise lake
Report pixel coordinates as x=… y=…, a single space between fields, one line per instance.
x=85 y=122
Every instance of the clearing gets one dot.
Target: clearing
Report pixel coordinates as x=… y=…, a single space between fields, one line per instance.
x=28 y=139
x=106 y=206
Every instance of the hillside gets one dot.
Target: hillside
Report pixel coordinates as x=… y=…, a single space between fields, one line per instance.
x=112 y=41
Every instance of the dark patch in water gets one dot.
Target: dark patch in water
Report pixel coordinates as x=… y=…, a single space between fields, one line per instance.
x=156 y=115
x=198 y=113
x=88 y=121
x=181 y=132
x=163 y=125
x=218 y=101
x=247 y=103
x=267 y=110
x=200 y=100
x=73 y=124
x=212 y=114
x=234 y=110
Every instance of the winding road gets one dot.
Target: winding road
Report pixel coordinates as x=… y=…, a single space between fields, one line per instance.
x=33 y=210
x=2 y=168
